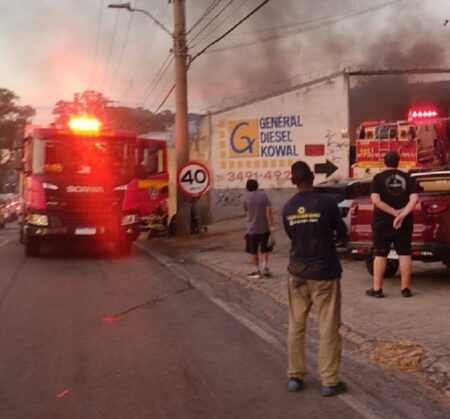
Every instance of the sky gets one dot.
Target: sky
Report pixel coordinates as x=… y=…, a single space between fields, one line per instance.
x=52 y=49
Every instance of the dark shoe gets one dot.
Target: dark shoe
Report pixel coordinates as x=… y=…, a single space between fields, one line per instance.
x=406 y=292
x=330 y=391
x=295 y=384
x=376 y=294
x=266 y=272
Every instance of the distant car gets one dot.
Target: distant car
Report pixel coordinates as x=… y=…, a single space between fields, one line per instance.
x=345 y=191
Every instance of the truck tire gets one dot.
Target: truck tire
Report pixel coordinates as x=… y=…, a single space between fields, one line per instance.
x=32 y=246
x=391 y=266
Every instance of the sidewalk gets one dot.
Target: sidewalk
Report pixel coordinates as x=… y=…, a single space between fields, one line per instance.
x=412 y=335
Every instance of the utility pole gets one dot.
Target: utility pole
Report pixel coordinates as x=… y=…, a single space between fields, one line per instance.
x=181 y=111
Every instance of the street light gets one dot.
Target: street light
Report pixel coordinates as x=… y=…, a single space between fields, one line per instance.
x=127 y=6
x=181 y=108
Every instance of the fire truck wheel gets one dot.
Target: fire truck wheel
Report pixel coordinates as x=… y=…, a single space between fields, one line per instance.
x=391 y=266
x=32 y=246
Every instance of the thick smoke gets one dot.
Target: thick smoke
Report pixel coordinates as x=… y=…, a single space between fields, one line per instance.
x=393 y=37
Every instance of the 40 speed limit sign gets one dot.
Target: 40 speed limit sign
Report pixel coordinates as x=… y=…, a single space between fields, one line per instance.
x=193 y=179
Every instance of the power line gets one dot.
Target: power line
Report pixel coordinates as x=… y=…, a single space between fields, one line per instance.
x=141 y=62
x=122 y=51
x=326 y=22
x=165 y=99
x=111 y=46
x=157 y=78
x=208 y=10
x=228 y=31
x=221 y=23
x=211 y=21
x=97 y=42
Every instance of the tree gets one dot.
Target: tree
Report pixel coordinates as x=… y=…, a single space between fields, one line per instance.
x=13 y=118
x=89 y=102
x=94 y=103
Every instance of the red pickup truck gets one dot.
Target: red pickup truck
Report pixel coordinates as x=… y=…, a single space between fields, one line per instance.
x=431 y=235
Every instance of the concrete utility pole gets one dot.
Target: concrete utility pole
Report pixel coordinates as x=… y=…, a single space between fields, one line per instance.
x=181 y=111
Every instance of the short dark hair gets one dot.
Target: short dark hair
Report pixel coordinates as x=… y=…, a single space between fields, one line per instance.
x=301 y=173
x=392 y=159
x=252 y=185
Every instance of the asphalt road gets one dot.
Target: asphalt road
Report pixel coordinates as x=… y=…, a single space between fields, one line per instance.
x=86 y=336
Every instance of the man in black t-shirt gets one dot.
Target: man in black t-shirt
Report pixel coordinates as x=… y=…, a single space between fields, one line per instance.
x=311 y=220
x=394 y=196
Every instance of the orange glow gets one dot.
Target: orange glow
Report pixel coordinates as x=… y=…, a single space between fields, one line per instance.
x=85 y=124
x=62 y=394
x=110 y=319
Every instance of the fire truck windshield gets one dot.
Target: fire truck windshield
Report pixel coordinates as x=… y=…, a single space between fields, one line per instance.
x=84 y=156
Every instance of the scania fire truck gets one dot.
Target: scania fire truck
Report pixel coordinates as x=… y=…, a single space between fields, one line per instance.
x=78 y=182
x=423 y=141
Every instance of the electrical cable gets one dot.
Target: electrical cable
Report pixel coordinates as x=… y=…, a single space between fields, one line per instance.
x=227 y=32
x=97 y=42
x=208 y=10
x=327 y=22
x=211 y=21
x=157 y=78
x=141 y=62
x=165 y=99
x=221 y=23
x=111 y=46
x=122 y=51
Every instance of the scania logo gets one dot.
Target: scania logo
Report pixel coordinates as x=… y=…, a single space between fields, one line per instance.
x=84 y=189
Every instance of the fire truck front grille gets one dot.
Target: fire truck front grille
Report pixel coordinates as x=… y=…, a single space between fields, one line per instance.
x=85 y=213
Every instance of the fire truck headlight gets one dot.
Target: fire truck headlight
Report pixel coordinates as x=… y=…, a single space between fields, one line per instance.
x=37 y=219
x=121 y=188
x=50 y=186
x=130 y=219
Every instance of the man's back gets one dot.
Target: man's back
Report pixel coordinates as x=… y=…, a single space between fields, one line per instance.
x=310 y=220
x=255 y=204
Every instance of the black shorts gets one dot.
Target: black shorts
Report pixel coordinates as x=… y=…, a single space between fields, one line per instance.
x=384 y=238
x=254 y=242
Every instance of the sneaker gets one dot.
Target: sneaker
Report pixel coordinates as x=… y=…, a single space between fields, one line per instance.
x=255 y=275
x=267 y=273
x=330 y=391
x=376 y=294
x=295 y=384
x=406 y=292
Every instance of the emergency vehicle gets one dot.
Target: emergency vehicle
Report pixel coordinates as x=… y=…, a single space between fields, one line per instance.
x=153 y=185
x=78 y=182
x=423 y=141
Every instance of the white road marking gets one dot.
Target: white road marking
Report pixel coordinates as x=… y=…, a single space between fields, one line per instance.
x=4 y=242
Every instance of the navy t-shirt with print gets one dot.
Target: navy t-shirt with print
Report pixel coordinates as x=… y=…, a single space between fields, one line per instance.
x=394 y=188
x=311 y=219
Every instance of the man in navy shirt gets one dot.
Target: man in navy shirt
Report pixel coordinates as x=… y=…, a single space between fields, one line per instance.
x=313 y=222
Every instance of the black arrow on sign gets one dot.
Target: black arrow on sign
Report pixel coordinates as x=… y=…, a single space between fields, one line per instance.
x=328 y=168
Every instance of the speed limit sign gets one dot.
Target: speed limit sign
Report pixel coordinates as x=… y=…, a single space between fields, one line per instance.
x=193 y=179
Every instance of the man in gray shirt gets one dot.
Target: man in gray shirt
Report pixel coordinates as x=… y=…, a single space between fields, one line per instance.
x=259 y=226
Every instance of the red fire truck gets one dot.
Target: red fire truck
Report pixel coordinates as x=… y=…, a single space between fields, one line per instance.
x=153 y=185
x=423 y=141
x=79 y=182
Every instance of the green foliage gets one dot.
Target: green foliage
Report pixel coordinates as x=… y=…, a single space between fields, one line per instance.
x=13 y=118
x=96 y=104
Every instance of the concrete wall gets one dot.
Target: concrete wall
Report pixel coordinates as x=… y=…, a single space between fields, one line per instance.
x=261 y=140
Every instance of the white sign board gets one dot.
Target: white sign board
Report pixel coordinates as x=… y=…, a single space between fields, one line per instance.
x=261 y=140
x=193 y=179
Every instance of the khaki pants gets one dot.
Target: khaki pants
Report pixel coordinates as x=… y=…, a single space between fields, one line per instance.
x=326 y=297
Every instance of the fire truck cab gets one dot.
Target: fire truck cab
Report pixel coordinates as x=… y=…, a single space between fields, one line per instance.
x=76 y=183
